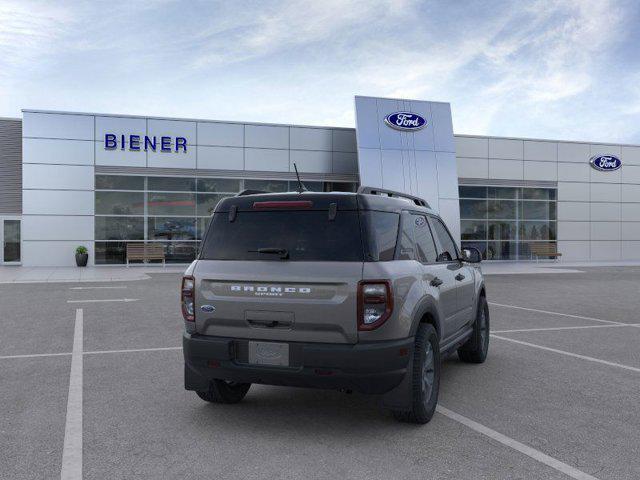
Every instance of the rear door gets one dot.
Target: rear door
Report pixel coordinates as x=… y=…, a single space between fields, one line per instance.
x=463 y=275
x=283 y=275
x=438 y=277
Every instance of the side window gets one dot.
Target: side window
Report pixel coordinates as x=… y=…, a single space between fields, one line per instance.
x=407 y=250
x=447 y=250
x=426 y=249
x=383 y=233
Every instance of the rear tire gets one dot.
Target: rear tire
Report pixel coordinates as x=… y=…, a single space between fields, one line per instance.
x=221 y=391
x=475 y=350
x=425 y=377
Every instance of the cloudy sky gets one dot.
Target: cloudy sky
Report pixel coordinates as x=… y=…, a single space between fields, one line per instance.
x=547 y=69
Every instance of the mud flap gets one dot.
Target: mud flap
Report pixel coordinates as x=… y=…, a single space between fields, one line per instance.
x=401 y=397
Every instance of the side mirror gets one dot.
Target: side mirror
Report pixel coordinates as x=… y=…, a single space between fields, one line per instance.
x=471 y=255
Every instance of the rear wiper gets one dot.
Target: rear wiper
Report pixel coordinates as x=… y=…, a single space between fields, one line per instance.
x=283 y=252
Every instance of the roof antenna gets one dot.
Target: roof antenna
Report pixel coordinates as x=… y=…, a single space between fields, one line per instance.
x=301 y=187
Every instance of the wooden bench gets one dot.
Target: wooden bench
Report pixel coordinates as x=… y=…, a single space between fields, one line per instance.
x=145 y=252
x=544 y=250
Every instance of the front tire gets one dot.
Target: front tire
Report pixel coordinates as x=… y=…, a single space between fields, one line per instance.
x=221 y=391
x=426 y=377
x=475 y=350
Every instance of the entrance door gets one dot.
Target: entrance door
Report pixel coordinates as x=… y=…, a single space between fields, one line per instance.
x=10 y=240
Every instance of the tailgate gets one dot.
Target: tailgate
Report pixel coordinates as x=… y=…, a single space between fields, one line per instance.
x=272 y=300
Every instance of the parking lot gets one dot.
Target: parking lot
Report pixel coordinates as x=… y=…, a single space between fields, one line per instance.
x=91 y=377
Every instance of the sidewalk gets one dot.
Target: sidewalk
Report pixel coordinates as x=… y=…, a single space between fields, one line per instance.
x=526 y=268
x=19 y=274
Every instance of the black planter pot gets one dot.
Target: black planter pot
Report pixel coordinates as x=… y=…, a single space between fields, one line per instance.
x=81 y=259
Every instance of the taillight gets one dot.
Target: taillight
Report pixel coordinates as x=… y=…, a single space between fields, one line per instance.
x=187 y=299
x=375 y=303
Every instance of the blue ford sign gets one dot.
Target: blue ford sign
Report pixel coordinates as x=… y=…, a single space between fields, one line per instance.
x=605 y=163
x=405 y=121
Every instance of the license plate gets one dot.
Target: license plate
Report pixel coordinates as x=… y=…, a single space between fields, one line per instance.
x=269 y=353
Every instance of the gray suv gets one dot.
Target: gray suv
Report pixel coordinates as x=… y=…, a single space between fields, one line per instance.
x=361 y=291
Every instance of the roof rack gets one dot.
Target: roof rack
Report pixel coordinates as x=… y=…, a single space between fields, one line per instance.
x=250 y=192
x=390 y=193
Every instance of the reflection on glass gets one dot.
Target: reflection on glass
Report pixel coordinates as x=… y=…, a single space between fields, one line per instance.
x=11 y=247
x=226 y=185
x=472 y=192
x=167 y=228
x=473 y=209
x=119 y=203
x=207 y=203
x=503 y=192
x=171 y=184
x=473 y=230
x=119 y=228
x=119 y=182
x=171 y=204
x=267 y=185
x=503 y=209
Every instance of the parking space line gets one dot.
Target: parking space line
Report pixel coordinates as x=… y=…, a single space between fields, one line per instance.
x=515 y=445
x=581 y=327
x=35 y=355
x=125 y=300
x=98 y=288
x=72 y=449
x=159 y=349
x=570 y=354
x=557 y=313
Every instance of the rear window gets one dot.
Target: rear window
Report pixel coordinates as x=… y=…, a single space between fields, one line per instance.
x=305 y=235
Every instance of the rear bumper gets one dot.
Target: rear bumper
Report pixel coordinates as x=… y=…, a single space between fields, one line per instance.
x=375 y=367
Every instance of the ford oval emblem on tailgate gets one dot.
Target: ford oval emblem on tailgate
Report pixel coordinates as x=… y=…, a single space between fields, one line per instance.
x=207 y=308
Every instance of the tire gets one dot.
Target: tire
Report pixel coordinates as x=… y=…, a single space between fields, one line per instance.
x=426 y=377
x=477 y=347
x=221 y=391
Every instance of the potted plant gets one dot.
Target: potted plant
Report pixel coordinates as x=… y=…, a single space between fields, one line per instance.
x=82 y=256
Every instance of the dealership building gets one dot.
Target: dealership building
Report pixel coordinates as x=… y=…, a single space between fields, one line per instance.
x=106 y=181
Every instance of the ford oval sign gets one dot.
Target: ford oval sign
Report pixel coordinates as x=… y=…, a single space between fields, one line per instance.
x=405 y=121
x=605 y=163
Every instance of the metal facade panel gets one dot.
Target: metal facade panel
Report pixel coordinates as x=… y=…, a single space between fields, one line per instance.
x=405 y=160
x=10 y=167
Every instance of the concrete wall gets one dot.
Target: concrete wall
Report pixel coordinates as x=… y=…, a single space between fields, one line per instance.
x=598 y=212
x=63 y=150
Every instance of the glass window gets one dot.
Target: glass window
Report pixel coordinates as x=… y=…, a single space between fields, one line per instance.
x=119 y=182
x=382 y=233
x=311 y=186
x=473 y=230
x=227 y=185
x=119 y=203
x=202 y=224
x=119 y=228
x=108 y=253
x=502 y=250
x=179 y=252
x=305 y=235
x=171 y=184
x=502 y=231
x=532 y=210
x=426 y=248
x=502 y=192
x=472 y=192
x=407 y=250
x=447 y=250
x=538 y=194
x=340 y=187
x=473 y=209
x=537 y=231
x=11 y=242
x=168 y=228
x=502 y=209
x=207 y=203
x=171 y=204
x=267 y=185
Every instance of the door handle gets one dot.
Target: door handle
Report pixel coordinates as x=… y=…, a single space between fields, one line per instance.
x=460 y=277
x=436 y=282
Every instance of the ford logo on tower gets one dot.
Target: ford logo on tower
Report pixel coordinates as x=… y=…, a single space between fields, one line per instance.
x=405 y=121
x=605 y=163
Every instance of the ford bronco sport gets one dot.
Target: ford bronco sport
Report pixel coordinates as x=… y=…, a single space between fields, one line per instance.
x=361 y=291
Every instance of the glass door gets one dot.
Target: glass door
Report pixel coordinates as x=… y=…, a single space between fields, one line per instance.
x=10 y=238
